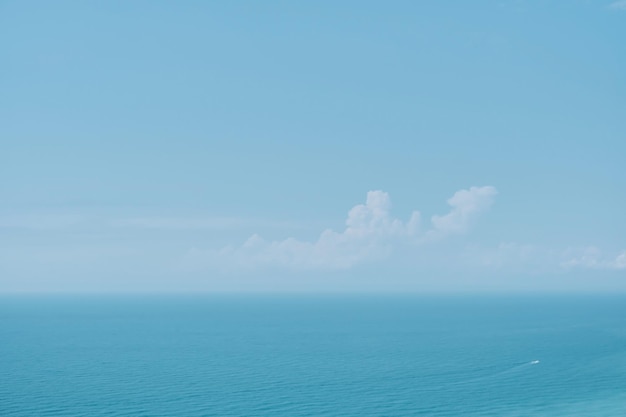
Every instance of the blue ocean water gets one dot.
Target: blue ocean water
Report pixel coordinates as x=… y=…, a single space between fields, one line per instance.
x=312 y=356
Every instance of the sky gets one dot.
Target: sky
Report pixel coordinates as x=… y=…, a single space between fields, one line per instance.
x=275 y=146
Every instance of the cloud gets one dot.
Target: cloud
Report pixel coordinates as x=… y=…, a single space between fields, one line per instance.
x=506 y=255
x=618 y=5
x=370 y=234
x=539 y=258
x=466 y=205
x=592 y=257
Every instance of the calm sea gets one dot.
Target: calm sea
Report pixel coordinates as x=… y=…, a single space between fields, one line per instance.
x=312 y=356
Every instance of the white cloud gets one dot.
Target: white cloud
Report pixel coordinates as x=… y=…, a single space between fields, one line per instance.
x=618 y=5
x=466 y=205
x=592 y=257
x=371 y=234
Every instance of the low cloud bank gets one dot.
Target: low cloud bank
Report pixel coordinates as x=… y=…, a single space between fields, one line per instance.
x=594 y=258
x=370 y=234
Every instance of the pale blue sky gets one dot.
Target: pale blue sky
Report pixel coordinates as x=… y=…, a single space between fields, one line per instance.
x=143 y=143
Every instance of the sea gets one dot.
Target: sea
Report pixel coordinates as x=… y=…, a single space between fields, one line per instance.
x=312 y=355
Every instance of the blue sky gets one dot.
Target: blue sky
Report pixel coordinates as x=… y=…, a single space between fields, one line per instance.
x=329 y=146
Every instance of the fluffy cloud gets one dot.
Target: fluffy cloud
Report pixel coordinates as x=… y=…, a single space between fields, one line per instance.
x=466 y=205
x=370 y=234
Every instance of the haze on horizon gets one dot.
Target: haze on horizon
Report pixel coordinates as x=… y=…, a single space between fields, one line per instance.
x=155 y=146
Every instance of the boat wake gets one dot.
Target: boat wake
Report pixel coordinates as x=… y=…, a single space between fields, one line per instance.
x=510 y=371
